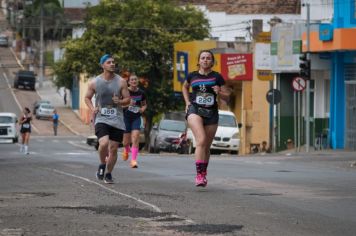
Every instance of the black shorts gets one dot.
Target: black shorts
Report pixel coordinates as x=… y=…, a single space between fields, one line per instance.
x=211 y=120
x=25 y=130
x=114 y=134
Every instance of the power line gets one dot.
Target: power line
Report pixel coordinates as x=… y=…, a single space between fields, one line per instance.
x=235 y=29
x=232 y=24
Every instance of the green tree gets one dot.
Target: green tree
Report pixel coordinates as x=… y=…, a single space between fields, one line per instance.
x=140 y=35
x=55 y=25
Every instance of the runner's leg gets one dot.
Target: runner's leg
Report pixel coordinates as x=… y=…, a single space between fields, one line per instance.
x=135 y=147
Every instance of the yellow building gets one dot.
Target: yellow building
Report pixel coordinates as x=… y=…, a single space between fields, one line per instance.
x=248 y=99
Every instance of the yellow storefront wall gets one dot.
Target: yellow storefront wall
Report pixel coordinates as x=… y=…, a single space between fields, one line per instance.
x=255 y=110
x=255 y=114
x=248 y=100
x=192 y=50
x=84 y=112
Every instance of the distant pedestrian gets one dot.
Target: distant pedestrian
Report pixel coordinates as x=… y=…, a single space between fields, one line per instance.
x=65 y=97
x=25 y=130
x=202 y=109
x=55 y=118
x=133 y=118
x=111 y=93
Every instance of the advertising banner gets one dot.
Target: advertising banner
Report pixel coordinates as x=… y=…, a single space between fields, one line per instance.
x=182 y=66
x=236 y=66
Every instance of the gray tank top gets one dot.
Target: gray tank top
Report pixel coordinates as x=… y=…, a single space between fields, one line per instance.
x=109 y=112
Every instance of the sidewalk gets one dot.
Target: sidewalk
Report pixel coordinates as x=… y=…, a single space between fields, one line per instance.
x=68 y=117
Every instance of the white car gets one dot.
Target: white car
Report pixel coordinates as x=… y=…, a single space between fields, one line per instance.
x=44 y=111
x=8 y=129
x=227 y=137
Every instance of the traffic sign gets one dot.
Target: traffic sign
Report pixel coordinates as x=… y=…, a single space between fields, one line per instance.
x=299 y=84
x=274 y=96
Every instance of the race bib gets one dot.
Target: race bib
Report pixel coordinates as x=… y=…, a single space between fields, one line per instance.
x=206 y=99
x=134 y=109
x=26 y=126
x=105 y=111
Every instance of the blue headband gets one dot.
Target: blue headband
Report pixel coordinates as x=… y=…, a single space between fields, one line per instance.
x=104 y=58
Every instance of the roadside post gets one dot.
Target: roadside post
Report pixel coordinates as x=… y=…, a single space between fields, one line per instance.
x=299 y=85
x=273 y=97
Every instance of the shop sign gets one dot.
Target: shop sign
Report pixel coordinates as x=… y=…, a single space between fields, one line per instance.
x=264 y=37
x=326 y=32
x=236 y=66
x=265 y=75
x=297 y=46
x=182 y=66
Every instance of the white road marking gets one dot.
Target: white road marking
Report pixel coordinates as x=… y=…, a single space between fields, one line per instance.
x=157 y=209
x=69 y=153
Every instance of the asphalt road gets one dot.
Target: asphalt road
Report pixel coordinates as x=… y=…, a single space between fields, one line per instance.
x=53 y=191
x=14 y=100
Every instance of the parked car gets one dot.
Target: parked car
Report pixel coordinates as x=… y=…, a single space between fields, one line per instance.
x=164 y=133
x=227 y=137
x=25 y=79
x=37 y=104
x=8 y=129
x=4 y=41
x=44 y=111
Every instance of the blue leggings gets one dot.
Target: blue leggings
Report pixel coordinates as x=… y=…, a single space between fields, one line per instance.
x=132 y=123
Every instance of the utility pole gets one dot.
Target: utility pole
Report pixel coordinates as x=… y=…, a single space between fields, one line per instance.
x=41 y=48
x=307 y=112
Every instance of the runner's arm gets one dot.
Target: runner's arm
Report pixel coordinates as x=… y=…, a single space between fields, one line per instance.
x=21 y=121
x=89 y=95
x=143 y=107
x=125 y=94
x=185 y=91
x=225 y=93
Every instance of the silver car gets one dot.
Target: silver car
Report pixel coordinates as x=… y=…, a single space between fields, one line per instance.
x=37 y=104
x=44 y=111
x=162 y=135
x=4 y=41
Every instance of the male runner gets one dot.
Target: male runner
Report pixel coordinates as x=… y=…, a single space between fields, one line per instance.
x=111 y=93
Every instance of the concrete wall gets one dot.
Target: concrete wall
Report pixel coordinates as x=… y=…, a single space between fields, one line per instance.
x=228 y=27
x=84 y=111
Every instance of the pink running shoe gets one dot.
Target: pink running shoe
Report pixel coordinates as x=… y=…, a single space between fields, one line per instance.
x=204 y=179
x=199 y=181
